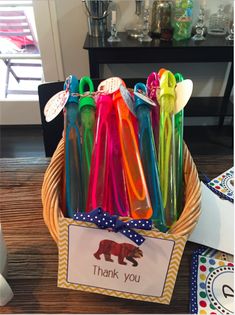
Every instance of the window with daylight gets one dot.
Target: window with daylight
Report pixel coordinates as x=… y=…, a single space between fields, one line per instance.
x=20 y=61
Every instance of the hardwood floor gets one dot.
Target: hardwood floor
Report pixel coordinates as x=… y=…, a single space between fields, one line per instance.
x=27 y=141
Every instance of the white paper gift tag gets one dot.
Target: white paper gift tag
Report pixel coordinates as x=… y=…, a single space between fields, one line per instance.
x=109 y=86
x=145 y=98
x=100 y=261
x=183 y=92
x=126 y=95
x=55 y=105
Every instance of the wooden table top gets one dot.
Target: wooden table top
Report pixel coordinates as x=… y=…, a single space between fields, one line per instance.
x=32 y=254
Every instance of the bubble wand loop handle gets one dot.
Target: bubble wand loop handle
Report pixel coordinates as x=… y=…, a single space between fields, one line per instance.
x=119 y=190
x=87 y=113
x=99 y=167
x=138 y=194
x=126 y=130
x=167 y=146
x=98 y=182
x=149 y=157
x=152 y=86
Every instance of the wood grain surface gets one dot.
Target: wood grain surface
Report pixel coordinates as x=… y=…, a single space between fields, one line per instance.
x=32 y=255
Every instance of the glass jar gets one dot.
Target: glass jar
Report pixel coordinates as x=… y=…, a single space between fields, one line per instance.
x=161 y=20
x=218 y=22
x=182 y=15
x=134 y=29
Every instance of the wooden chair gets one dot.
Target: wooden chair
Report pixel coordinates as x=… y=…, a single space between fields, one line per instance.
x=15 y=26
x=52 y=131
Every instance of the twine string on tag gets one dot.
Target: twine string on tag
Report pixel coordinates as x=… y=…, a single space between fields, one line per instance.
x=92 y=94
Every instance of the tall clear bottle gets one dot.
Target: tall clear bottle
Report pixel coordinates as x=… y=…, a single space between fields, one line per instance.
x=218 y=23
x=182 y=15
x=161 y=20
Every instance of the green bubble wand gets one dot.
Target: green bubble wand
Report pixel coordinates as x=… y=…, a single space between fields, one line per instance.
x=87 y=113
x=179 y=129
x=167 y=163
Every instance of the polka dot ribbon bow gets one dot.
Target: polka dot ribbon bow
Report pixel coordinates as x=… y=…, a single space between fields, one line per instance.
x=106 y=221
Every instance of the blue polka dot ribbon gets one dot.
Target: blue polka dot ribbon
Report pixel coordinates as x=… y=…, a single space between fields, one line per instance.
x=106 y=221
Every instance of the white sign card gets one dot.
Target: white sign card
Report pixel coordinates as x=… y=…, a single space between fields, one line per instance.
x=95 y=260
x=215 y=227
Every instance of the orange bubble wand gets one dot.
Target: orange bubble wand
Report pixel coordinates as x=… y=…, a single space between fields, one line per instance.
x=140 y=205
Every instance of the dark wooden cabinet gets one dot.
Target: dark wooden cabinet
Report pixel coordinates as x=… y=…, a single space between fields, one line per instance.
x=128 y=50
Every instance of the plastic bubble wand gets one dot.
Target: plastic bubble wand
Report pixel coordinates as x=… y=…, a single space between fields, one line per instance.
x=179 y=130
x=167 y=166
x=87 y=114
x=152 y=86
x=140 y=205
x=73 y=154
x=149 y=156
x=98 y=181
x=118 y=188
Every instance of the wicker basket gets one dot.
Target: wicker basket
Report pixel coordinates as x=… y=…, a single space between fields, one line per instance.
x=51 y=191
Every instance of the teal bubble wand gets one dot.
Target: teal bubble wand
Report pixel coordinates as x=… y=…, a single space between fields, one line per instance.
x=73 y=189
x=149 y=156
